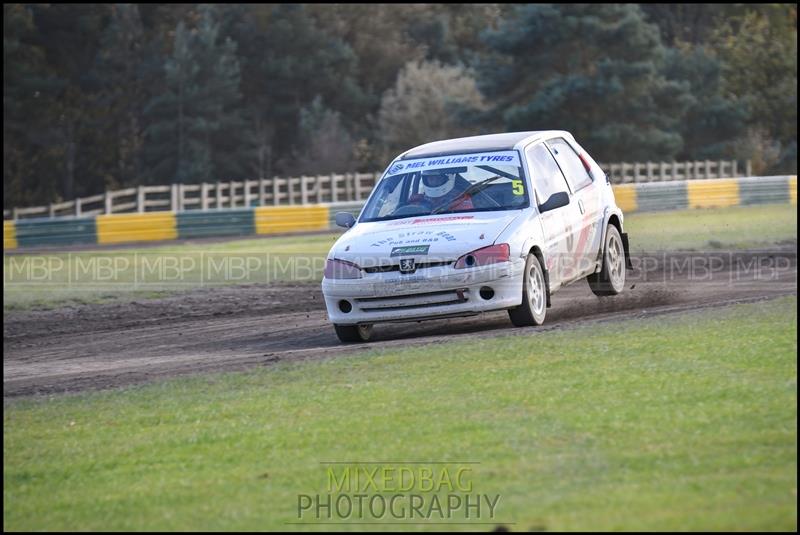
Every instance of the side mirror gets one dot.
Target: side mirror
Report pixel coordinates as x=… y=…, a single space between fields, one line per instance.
x=556 y=200
x=345 y=219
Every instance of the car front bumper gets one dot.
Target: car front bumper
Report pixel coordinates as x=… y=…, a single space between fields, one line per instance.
x=427 y=294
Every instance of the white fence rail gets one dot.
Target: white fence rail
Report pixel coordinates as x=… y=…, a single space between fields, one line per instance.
x=624 y=173
x=347 y=187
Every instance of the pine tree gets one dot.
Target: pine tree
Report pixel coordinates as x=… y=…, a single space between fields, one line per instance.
x=714 y=123
x=29 y=89
x=67 y=37
x=591 y=69
x=195 y=131
x=122 y=86
x=325 y=145
x=290 y=61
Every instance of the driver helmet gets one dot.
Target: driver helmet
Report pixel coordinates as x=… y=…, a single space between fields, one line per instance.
x=439 y=182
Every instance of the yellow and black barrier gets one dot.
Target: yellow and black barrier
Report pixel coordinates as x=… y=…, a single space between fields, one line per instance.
x=287 y=219
x=711 y=193
x=159 y=226
x=132 y=228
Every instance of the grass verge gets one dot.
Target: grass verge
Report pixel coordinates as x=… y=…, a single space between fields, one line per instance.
x=684 y=422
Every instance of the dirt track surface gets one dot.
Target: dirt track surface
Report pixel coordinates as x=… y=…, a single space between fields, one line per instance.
x=84 y=347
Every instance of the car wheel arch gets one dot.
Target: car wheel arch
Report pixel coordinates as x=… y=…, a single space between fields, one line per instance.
x=536 y=251
x=611 y=217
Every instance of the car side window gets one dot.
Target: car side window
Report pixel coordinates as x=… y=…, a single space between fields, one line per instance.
x=547 y=177
x=577 y=175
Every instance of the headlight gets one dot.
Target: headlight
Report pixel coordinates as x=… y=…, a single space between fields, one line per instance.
x=485 y=256
x=341 y=269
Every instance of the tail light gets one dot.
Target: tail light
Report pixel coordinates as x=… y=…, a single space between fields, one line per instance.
x=341 y=269
x=585 y=162
x=485 y=256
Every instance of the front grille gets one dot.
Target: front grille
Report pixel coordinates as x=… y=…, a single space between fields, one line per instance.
x=413 y=301
x=396 y=267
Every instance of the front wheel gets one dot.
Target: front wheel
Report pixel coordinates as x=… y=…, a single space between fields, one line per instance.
x=534 y=296
x=610 y=280
x=353 y=333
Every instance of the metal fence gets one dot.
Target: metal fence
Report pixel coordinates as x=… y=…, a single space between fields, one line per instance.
x=346 y=187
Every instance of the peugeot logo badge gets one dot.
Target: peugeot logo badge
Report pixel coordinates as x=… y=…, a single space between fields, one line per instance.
x=407 y=265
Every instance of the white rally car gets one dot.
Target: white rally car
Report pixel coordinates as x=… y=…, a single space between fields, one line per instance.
x=464 y=226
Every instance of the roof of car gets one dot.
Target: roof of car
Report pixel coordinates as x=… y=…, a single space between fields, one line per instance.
x=487 y=143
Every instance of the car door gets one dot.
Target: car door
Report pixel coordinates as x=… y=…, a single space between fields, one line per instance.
x=558 y=224
x=586 y=194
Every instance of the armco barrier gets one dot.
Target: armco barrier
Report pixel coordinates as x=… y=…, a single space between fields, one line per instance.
x=712 y=193
x=767 y=190
x=206 y=223
x=625 y=194
x=655 y=196
x=9 y=235
x=282 y=219
x=66 y=231
x=153 y=226
x=124 y=228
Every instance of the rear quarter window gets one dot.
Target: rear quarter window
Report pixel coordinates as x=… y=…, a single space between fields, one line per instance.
x=546 y=175
x=570 y=164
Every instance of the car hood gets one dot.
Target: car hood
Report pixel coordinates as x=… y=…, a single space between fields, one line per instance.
x=433 y=238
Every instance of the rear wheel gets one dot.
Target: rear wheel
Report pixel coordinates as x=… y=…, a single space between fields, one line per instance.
x=534 y=296
x=610 y=280
x=353 y=333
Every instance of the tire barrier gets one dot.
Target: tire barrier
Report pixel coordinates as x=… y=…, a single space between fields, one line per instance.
x=158 y=226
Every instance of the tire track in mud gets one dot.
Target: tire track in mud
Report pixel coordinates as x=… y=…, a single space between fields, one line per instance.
x=84 y=347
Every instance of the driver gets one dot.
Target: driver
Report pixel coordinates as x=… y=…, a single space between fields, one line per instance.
x=444 y=186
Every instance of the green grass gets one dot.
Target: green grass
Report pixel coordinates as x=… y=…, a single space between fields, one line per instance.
x=739 y=227
x=684 y=422
x=270 y=259
x=47 y=280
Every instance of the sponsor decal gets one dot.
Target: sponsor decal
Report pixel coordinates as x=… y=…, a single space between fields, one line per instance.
x=414 y=237
x=447 y=219
x=442 y=219
x=410 y=250
x=396 y=168
x=508 y=157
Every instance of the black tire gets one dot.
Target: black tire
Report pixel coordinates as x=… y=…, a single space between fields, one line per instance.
x=353 y=333
x=534 y=296
x=610 y=280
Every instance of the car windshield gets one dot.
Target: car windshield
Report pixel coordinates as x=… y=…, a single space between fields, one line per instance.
x=488 y=181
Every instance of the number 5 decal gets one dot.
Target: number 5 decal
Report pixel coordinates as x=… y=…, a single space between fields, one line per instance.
x=516 y=187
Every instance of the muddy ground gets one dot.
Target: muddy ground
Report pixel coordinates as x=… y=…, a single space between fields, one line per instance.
x=76 y=348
